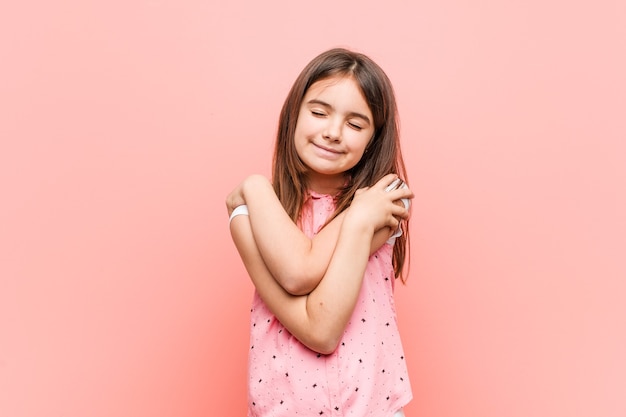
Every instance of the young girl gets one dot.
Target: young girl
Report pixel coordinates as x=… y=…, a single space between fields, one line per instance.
x=323 y=244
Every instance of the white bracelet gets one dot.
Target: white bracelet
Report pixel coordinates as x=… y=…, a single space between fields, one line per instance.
x=243 y=209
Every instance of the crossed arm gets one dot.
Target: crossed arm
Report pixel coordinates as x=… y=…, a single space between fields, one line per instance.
x=326 y=271
x=296 y=261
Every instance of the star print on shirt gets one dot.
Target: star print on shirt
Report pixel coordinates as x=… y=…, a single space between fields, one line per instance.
x=372 y=342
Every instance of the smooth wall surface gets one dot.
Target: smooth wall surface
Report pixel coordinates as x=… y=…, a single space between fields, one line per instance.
x=123 y=125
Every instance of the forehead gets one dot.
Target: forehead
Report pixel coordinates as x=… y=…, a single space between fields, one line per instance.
x=339 y=88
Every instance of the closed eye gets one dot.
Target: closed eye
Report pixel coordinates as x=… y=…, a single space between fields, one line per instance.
x=355 y=126
x=318 y=113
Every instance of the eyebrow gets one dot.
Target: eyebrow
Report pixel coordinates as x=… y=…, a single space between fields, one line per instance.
x=351 y=114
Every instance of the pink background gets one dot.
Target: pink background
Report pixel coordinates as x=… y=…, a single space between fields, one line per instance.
x=123 y=125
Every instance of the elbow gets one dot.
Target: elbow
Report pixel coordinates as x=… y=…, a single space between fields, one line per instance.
x=324 y=344
x=296 y=288
x=297 y=284
x=327 y=349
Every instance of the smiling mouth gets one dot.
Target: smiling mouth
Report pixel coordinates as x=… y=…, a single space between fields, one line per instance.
x=325 y=149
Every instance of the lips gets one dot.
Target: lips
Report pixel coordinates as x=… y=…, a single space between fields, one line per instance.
x=324 y=151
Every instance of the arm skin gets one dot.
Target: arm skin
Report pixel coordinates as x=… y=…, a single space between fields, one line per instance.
x=318 y=319
x=297 y=262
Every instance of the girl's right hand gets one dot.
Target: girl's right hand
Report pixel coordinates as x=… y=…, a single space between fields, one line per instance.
x=375 y=207
x=236 y=197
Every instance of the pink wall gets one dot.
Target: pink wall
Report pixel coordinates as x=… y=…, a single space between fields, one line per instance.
x=124 y=125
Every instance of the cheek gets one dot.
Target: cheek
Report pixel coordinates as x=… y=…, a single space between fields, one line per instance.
x=300 y=129
x=300 y=132
x=360 y=142
x=300 y=136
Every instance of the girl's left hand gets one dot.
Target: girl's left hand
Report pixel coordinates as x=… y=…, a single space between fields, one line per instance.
x=378 y=207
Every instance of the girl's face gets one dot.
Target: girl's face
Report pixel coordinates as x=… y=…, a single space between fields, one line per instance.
x=333 y=129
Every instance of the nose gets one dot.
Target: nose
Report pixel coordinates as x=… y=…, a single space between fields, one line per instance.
x=332 y=130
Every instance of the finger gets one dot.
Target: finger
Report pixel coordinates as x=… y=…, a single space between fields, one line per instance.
x=405 y=201
x=361 y=190
x=386 y=181
x=394 y=223
x=400 y=193
x=400 y=211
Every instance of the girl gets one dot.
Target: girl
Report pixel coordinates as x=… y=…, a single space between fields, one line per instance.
x=323 y=244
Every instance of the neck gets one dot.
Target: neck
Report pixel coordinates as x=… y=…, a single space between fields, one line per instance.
x=326 y=184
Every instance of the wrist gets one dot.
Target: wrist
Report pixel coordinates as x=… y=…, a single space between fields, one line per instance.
x=356 y=223
x=237 y=211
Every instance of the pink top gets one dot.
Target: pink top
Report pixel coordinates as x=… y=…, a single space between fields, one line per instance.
x=365 y=376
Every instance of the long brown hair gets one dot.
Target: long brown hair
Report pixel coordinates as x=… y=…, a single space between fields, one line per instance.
x=382 y=155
